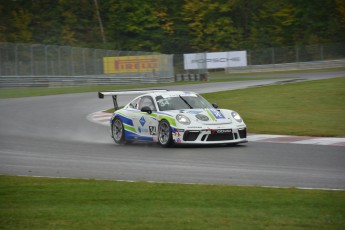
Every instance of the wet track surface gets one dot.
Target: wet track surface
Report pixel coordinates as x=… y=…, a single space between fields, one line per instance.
x=50 y=136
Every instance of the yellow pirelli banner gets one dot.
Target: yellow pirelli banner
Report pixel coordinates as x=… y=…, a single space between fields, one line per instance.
x=134 y=64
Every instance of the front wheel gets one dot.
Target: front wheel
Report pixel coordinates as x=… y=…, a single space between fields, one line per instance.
x=164 y=134
x=118 y=131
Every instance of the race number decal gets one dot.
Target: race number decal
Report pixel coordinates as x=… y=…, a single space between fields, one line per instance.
x=152 y=130
x=217 y=114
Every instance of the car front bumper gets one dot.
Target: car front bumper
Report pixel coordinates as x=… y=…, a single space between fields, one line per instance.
x=210 y=136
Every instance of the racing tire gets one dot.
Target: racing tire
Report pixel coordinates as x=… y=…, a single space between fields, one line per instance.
x=118 y=132
x=164 y=134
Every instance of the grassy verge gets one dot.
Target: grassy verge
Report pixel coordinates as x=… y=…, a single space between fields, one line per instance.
x=315 y=108
x=43 y=203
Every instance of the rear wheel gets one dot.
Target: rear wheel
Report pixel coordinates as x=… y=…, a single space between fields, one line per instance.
x=164 y=134
x=118 y=131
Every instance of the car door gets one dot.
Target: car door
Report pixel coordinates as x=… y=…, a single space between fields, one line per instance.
x=147 y=123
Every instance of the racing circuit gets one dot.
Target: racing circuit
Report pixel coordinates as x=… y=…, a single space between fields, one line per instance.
x=53 y=136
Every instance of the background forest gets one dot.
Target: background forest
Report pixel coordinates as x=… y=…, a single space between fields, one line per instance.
x=173 y=26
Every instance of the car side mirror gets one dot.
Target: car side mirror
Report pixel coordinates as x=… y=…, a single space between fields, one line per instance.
x=146 y=109
x=215 y=105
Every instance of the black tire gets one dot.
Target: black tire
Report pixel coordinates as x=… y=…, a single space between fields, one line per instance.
x=118 y=132
x=164 y=134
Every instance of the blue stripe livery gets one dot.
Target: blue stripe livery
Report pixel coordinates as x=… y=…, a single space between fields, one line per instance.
x=136 y=137
x=125 y=120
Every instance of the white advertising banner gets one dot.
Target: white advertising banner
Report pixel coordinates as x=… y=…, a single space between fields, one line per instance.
x=215 y=60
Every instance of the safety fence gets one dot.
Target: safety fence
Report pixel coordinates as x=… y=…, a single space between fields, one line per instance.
x=296 y=54
x=34 y=65
x=276 y=58
x=51 y=65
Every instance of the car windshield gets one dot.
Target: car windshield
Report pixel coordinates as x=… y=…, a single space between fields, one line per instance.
x=182 y=101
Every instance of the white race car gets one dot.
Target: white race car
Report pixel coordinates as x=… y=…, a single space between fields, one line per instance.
x=174 y=117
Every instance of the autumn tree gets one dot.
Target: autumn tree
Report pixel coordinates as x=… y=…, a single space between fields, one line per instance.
x=273 y=24
x=177 y=26
x=132 y=25
x=210 y=24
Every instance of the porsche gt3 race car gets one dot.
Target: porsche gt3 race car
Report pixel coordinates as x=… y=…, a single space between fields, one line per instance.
x=173 y=117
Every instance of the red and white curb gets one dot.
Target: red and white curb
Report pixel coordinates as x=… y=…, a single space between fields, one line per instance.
x=297 y=139
x=103 y=118
x=100 y=117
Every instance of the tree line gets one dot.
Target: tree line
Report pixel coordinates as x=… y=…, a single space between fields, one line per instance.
x=173 y=26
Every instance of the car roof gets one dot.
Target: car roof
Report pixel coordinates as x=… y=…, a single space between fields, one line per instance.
x=150 y=92
x=170 y=93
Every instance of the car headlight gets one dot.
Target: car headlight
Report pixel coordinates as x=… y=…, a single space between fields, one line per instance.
x=236 y=116
x=183 y=119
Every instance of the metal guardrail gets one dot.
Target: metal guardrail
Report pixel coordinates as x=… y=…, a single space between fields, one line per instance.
x=289 y=66
x=67 y=81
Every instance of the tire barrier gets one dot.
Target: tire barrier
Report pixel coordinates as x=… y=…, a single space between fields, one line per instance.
x=191 y=77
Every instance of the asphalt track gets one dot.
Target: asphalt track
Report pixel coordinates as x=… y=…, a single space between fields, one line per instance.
x=51 y=136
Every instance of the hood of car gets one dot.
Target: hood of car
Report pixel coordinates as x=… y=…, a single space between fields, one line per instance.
x=207 y=116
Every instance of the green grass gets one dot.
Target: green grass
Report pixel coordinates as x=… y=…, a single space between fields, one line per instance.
x=315 y=108
x=43 y=203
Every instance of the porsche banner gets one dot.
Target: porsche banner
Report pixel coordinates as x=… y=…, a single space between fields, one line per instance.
x=215 y=60
x=133 y=64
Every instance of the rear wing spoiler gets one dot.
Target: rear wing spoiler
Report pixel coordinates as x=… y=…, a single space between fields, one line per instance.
x=114 y=94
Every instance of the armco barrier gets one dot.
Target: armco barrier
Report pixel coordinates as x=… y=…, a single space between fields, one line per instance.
x=66 y=81
x=289 y=66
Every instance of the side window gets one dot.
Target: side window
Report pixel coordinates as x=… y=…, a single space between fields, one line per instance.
x=134 y=104
x=148 y=102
